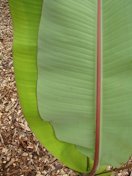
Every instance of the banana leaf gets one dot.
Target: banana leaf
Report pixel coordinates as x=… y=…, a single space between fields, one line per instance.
x=55 y=52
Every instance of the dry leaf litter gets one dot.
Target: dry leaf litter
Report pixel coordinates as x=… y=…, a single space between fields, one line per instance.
x=20 y=152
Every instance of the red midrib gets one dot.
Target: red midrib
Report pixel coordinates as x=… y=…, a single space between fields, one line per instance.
x=98 y=93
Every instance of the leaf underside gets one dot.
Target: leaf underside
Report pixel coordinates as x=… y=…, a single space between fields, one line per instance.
x=66 y=70
x=67 y=75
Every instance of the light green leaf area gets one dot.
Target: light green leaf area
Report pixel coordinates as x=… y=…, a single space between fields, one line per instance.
x=26 y=17
x=67 y=69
